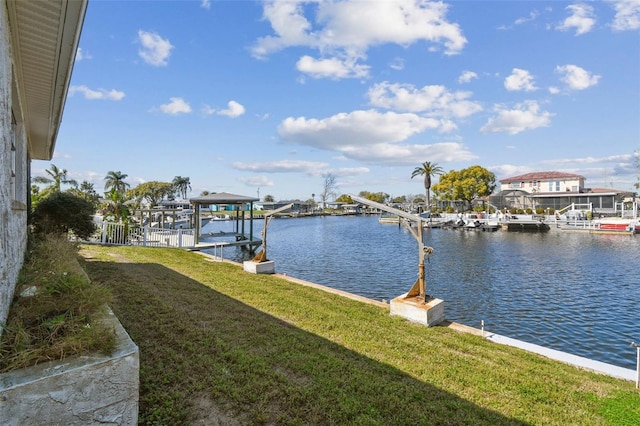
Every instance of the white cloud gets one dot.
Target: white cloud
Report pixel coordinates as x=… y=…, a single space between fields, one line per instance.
x=533 y=15
x=155 y=50
x=347 y=171
x=627 y=15
x=176 y=106
x=331 y=68
x=577 y=78
x=505 y=171
x=311 y=168
x=434 y=101
x=358 y=128
x=397 y=64
x=404 y=154
x=553 y=90
x=347 y=29
x=371 y=137
x=205 y=4
x=467 y=76
x=282 y=166
x=234 y=109
x=619 y=158
x=256 y=181
x=519 y=80
x=525 y=116
x=81 y=55
x=92 y=94
x=581 y=19
x=207 y=110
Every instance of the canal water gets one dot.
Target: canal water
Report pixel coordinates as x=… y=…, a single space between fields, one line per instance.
x=578 y=293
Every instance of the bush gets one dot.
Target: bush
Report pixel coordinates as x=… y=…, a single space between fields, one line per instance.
x=62 y=212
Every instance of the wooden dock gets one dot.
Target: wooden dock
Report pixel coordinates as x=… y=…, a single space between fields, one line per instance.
x=524 y=226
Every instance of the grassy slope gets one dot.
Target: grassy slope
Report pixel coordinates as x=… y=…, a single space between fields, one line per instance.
x=219 y=345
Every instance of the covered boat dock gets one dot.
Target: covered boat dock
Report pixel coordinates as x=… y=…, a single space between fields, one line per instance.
x=242 y=208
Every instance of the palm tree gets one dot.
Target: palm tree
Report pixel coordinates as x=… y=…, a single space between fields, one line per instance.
x=58 y=177
x=115 y=180
x=115 y=205
x=427 y=169
x=182 y=185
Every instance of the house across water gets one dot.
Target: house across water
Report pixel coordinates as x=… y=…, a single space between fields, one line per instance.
x=557 y=190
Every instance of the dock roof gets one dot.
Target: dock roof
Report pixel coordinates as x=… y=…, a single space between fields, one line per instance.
x=222 y=198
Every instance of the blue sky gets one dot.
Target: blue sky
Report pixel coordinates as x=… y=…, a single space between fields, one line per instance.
x=254 y=97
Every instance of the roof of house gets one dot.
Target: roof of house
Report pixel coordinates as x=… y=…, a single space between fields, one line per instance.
x=541 y=176
x=222 y=198
x=44 y=40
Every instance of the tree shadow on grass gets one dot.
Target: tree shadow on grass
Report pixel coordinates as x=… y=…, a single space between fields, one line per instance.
x=206 y=358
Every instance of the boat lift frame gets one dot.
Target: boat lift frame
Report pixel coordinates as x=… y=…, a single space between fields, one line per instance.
x=419 y=287
x=262 y=254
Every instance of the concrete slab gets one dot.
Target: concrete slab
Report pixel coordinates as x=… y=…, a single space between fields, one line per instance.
x=94 y=389
x=414 y=309
x=268 y=267
x=578 y=361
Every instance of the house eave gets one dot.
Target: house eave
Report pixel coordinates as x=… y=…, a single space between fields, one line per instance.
x=44 y=40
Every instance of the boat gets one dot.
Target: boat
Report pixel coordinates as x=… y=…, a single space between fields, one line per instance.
x=179 y=220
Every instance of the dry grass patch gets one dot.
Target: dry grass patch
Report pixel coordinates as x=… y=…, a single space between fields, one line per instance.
x=56 y=309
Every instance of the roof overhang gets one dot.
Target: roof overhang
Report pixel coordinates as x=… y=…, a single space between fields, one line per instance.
x=223 y=198
x=44 y=41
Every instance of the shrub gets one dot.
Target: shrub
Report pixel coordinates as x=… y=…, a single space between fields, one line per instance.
x=62 y=212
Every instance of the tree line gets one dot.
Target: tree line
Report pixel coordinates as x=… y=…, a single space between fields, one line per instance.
x=466 y=185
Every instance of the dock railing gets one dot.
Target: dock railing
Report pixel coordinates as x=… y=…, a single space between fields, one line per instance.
x=146 y=236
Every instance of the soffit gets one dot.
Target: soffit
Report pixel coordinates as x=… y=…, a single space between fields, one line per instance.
x=44 y=38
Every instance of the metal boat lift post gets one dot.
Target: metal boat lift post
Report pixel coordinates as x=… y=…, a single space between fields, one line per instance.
x=419 y=287
x=262 y=254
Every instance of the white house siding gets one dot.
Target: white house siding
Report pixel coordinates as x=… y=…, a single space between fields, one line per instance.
x=13 y=208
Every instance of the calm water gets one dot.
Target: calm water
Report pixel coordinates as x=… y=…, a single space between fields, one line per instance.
x=578 y=293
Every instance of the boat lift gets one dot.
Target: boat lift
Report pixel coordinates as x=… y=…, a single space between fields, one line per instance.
x=262 y=254
x=419 y=287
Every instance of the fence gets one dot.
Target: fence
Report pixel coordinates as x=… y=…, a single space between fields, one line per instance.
x=125 y=234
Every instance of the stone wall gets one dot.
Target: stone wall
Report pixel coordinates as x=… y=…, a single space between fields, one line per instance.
x=86 y=390
x=13 y=212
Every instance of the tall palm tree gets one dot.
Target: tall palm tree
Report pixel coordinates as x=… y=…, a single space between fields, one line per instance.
x=182 y=185
x=427 y=169
x=56 y=179
x=115 y=180
x=115 y=205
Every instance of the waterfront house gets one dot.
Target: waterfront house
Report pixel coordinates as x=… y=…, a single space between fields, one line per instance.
x=556 y=190
x=38 y=44
x=298 y=206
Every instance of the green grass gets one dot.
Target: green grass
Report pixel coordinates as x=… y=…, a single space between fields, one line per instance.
x=221 y=345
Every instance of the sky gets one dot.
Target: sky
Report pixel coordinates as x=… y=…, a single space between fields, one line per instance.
x=267 y=97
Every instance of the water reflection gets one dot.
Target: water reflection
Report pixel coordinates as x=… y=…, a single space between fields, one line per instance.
x=574 y=292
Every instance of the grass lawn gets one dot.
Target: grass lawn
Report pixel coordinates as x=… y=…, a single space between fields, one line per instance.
x=222 y=346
